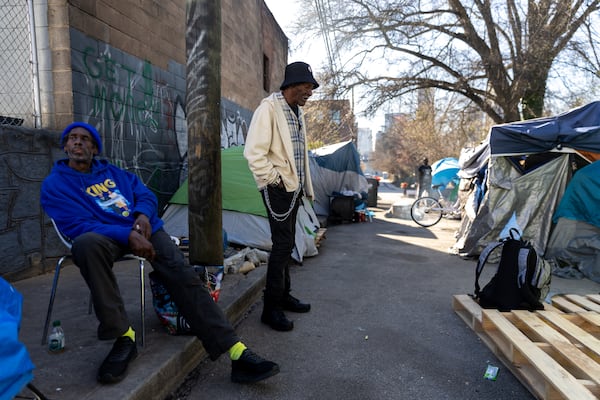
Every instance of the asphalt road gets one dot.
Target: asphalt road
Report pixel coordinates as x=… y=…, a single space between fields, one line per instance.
x=381 y=325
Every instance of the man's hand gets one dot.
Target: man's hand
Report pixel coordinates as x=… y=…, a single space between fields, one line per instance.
x=278 y=183
x=142 y=226
x=140 y=246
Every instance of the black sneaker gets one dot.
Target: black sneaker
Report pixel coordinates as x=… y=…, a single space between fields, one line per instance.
x=276 y=319
x=290 y=303
x=114 y=366
x=252 y=368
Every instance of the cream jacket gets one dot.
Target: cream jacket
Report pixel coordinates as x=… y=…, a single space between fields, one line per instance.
x=269 y=149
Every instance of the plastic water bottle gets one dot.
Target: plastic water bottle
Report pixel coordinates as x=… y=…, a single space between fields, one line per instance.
x=56 y=339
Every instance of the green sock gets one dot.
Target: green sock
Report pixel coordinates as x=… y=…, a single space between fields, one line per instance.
x=235 y=352
x=130 y=334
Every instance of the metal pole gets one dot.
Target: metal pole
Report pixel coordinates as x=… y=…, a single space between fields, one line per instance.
x=37 y=112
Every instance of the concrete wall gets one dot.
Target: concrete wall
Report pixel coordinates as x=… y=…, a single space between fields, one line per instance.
x=26 y=237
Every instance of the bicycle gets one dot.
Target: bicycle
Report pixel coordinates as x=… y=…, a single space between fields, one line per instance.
x=428 y=211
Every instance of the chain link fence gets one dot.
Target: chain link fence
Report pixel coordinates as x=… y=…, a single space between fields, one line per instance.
x=16 y=77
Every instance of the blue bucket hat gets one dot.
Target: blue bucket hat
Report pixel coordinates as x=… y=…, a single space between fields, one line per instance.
x=87 y=127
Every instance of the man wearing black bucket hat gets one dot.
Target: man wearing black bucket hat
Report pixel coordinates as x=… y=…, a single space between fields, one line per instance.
x=278 y=158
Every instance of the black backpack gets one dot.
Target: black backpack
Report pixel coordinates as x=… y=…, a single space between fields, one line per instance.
x=522 y=280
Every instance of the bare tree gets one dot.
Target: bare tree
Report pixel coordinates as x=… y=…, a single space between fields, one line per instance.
x=438 y=129
x=328 y=122
x=498 y=54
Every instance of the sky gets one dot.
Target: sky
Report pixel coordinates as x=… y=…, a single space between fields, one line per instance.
x=284 y=12
x=314 y=54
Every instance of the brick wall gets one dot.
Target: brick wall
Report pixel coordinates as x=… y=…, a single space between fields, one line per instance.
x=128 y=79
x=148 y=29
x=249 y=33
x=275 y=47
x=120 y=65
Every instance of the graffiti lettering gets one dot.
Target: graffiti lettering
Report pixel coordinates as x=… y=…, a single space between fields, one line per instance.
x=114 y=91
x=92 y=66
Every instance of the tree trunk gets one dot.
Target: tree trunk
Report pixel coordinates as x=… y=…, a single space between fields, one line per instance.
x=532 y=100
x=203 y=46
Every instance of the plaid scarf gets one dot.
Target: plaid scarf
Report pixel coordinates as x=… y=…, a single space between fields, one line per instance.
x=297 y=135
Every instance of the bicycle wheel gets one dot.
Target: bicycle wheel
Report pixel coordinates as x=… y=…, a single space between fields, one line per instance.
x=426 y=211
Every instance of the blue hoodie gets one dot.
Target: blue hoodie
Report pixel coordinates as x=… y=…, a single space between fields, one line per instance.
x=104 y=201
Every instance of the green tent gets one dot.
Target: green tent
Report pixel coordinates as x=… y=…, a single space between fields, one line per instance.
x=238 y=187
x=244 y=215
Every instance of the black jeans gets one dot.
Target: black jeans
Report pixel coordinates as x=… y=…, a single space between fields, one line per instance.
x=95 y=254
x=283 y=234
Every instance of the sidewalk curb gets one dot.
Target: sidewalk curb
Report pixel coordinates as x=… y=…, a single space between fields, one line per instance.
x=170 y=374
x=161 y=365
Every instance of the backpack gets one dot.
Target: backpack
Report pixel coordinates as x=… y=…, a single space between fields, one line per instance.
x=522 y=279
x=166 y=309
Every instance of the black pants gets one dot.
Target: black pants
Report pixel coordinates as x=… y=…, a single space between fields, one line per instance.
x=95 y=255
x=283 y=234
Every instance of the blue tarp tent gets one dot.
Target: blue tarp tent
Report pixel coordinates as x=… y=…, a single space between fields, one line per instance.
x=574 y=246
x=578 y=129
x=16 y=371
x=582 y=197
x=335 y=168
x=444 y=171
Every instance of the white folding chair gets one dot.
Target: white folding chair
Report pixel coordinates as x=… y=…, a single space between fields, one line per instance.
x=67 y=242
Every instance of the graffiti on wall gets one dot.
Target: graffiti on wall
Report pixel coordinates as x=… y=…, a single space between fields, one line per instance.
x=138 y=108
x=235 y=121
x=116 y=98
x=135 y=108
x=140 y=111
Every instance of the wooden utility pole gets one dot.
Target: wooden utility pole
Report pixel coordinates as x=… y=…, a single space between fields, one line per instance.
x=203 y=100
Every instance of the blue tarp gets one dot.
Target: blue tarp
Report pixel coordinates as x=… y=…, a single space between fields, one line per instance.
x=338 y=157
x=578 y=129
x=444 y=171
x=582 y=196
x=16 y=371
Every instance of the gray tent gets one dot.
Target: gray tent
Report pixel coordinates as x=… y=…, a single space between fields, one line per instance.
x=335 y=168
x=529 y=166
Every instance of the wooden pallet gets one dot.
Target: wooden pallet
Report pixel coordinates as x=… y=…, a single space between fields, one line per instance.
x=320 y=236
x=554 y=352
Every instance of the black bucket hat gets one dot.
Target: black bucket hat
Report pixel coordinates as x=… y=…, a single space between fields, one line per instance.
x=298 y=72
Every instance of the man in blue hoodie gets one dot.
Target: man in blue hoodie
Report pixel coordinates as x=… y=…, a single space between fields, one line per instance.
x=109 y=212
